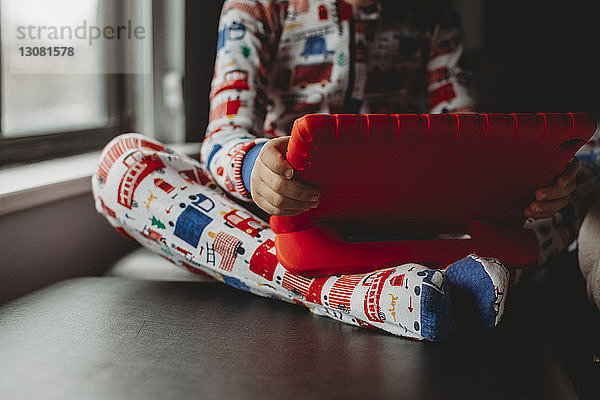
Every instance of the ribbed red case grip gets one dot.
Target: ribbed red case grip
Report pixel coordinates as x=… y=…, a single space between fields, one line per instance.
x=421 y=174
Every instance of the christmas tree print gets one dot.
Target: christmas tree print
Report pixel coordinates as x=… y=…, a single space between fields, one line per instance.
x=245 y=51
x=157 y=223
x=342 y=59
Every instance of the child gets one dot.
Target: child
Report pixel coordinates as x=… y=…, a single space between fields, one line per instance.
x=277 y=60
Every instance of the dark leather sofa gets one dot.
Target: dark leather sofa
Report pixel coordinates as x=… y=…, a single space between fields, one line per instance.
x=118 y=338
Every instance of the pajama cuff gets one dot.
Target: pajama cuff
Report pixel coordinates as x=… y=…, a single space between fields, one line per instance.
x=248 y=164
x=237 y=164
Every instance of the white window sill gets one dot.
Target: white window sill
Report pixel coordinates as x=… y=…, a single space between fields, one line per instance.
x=31 y=185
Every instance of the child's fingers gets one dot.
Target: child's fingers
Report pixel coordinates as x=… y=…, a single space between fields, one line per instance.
x=282 y=193
x=289 y=187
x=544 y=209
x=555 y=192
x=268 y=207
x=569 y=174
x=272 y=157
x=282 y=205
x=272 y=185
x=553 y=198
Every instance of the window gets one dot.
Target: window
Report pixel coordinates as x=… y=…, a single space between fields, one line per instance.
x=67 y=70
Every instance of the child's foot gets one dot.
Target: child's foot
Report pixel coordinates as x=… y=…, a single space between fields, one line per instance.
x=413 y=301
x=436 y=306
x=479 y=290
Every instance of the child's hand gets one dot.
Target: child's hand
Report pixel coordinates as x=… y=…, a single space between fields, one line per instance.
x=553 y=198
x=272 y=182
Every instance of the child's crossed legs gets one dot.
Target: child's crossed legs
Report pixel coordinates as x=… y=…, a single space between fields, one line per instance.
x=169 y=204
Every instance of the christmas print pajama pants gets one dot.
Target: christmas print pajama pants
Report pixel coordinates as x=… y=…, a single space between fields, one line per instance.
x=169 y=203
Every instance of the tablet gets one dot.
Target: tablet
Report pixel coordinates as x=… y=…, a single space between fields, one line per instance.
x=424 y=188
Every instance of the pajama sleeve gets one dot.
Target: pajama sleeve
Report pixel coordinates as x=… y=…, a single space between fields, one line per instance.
x=248 y=35
x=448 y=81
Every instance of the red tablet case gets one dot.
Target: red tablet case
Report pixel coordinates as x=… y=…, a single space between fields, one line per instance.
x=390 y=184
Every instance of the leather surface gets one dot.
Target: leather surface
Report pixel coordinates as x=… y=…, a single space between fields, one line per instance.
x=555 y=300
x=99 y=338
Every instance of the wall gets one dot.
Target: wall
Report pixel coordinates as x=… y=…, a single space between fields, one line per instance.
x=57 y=241
x=538 y=56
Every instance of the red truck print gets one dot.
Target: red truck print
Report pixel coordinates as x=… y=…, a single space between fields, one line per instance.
x=244 y=222
x=152 y=235
x=375 y=282
x=297 y=284
x=305 y=75
x=264 y=263
x=341 y=291
x=264 y=260
x=309 y=289
x=227 y=109
x=233 y=80
x=443 y=93
x=139 y=166
x=121 y=147
x=164 y=185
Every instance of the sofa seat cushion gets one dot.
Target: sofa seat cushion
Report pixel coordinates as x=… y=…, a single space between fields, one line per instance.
x=108 y=337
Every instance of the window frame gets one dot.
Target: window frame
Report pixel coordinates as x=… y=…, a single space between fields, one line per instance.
x=54 y=144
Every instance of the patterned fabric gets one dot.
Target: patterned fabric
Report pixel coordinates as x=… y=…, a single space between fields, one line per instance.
x=280 y=59
x=590 y=152
x=227 y=246
x=558 y=232
x=171 y=205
